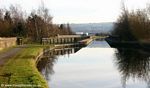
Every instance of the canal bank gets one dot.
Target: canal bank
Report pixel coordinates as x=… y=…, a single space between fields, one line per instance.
x=20 y=70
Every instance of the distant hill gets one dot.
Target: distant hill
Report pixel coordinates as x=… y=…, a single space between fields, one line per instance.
x=92 y=27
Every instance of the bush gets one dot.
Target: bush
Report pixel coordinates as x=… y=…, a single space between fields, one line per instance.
x=134 y=25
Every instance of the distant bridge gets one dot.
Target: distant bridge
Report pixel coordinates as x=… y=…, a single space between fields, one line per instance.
x=63 y=39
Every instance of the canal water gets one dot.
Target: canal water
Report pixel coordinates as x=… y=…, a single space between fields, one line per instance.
x=96 y=66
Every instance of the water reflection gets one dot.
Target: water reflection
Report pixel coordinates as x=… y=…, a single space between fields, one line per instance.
x=45 y=66
x=133 y=63
x=98 y=43
x=93 y=67
x=50 y=57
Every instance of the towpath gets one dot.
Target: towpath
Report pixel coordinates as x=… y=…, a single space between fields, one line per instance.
x=4 y=56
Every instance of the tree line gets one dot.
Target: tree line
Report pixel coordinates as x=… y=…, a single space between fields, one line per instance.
x=38 y=24
x=133 y=25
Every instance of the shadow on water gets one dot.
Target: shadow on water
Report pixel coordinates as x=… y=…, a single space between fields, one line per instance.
x=133 y=63
x=49 y=58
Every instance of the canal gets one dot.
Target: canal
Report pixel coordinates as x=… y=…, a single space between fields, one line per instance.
x=96 y=66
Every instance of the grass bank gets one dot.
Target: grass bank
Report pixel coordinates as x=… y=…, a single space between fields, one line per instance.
x=21 y=69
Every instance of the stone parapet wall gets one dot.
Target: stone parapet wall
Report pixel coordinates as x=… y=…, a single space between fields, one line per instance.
x=7 y=42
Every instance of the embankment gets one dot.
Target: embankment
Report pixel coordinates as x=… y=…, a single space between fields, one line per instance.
x=21 y=70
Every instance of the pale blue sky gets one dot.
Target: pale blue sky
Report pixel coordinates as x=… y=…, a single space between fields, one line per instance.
x=79 y=11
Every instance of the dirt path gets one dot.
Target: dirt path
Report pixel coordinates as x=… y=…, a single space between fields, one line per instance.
x=7 y=55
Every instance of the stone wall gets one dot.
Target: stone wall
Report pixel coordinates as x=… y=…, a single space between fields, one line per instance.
x=7 y=42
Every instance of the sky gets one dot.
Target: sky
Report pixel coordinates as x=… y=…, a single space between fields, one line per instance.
x=79 y=11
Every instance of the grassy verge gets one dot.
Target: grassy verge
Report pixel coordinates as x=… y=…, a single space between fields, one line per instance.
x=21 y=69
